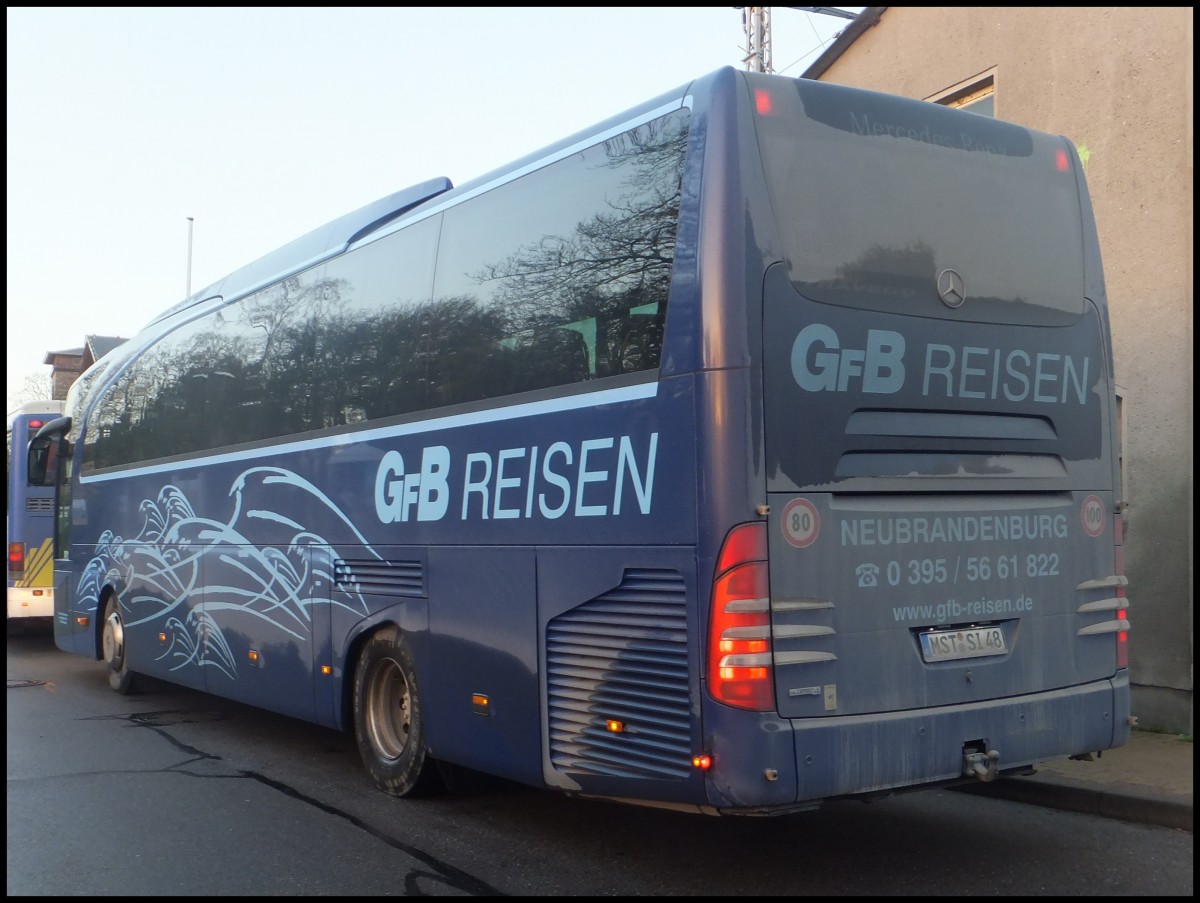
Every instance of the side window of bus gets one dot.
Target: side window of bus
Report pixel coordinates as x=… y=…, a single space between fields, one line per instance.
x=246 y=372
x=572 y=262
x=554 y=279
x=395 y=347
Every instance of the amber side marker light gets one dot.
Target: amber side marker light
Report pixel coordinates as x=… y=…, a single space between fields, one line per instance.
x=702 y=761
x=617 y=727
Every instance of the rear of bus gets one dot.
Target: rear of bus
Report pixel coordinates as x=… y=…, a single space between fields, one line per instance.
x=30 y=523
x=935 y=590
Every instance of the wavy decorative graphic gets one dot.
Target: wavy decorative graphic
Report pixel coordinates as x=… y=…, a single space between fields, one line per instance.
x=156 y=572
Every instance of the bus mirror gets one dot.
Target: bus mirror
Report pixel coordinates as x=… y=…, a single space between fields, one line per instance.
x=57 y=425
x=47 y=447
x=38 y=459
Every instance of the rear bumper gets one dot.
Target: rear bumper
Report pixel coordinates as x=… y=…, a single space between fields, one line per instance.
x=765 y=765
x=25 y=602
x=872 y=753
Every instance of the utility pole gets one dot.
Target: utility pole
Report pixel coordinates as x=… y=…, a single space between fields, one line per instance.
x=189 y=261
x=756 y=20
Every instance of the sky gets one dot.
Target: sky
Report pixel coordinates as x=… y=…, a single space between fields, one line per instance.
x=150 y=150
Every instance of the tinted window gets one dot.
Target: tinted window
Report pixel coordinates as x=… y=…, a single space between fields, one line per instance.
x=566 y=269
x=249 y=371
x=874 y=196
x=556 y=278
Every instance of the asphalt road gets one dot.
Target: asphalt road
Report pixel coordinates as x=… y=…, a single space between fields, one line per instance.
x=179 y=793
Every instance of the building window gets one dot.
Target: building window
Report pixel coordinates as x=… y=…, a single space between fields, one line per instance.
x=977 y=94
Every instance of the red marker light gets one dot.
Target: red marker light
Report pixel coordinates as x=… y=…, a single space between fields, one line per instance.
x=703 y=762
x=35 y=424
x=1122 y=613
x=762 y=101
x=1061 y=161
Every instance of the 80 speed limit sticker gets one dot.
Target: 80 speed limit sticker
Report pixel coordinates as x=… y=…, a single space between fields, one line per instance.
x=801 y=523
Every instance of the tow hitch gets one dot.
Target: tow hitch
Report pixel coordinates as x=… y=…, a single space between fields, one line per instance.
x=982 y=765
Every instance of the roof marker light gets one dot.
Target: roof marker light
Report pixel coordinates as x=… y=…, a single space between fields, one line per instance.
x=762 y=101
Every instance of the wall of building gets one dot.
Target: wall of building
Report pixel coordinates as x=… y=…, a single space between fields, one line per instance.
x=1118 y=83
x=65 y=369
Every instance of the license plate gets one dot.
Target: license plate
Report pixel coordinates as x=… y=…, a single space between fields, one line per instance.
x=972 y=642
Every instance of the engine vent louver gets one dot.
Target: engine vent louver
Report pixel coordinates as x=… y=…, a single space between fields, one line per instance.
x=374 y=577
x=622 y=657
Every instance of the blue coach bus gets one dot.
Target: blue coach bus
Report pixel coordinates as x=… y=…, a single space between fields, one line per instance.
x=29 y=523
x=750 y=449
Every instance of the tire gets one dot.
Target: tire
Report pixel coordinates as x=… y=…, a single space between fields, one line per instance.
x=112 y=649
x=388 y=721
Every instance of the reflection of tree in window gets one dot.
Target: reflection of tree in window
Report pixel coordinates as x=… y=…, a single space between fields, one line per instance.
x=898 y=272
x=557 y=277
x=604 y=274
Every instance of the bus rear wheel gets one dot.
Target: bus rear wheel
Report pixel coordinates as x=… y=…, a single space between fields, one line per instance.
x=388 y=722
x=112 y=647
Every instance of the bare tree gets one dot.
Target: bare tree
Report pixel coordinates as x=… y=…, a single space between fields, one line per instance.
x=34 y=387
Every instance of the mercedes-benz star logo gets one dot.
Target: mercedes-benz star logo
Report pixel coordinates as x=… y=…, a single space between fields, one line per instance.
x=951 y=289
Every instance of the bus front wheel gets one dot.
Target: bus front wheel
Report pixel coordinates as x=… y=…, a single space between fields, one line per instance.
x=112 y=646
x=388 y=725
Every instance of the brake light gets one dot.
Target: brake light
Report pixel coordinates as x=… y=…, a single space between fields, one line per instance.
x=16 y=559
x=1122 y=613
x=740 y=660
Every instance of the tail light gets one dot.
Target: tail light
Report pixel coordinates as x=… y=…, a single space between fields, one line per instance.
x=16 y=560
x=1122 y=613
x=740 y=660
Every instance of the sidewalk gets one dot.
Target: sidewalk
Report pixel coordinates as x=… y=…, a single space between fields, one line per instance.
x=1149 y=780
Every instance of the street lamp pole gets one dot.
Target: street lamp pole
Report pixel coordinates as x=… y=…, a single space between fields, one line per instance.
x=189 y=262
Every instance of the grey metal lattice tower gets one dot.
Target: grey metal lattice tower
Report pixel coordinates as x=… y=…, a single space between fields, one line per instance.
x=756 y=20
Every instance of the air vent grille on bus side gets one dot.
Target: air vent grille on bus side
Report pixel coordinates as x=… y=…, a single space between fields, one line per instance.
x=617 y=673
x=39 y=504
x=371 y=576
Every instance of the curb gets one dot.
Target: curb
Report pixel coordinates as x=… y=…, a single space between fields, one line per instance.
x=1127 y=802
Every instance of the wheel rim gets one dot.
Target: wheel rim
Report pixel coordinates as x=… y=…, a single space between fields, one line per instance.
x=113 y=640
x=388 y=709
